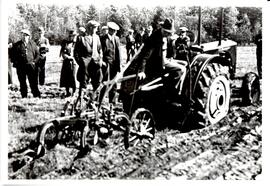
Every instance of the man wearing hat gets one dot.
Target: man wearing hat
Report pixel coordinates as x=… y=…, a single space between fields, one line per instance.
x=155 y=61
x=88 y=54
x=25 y=56
x=182 y=45
x=43 y=44
x=111 y=55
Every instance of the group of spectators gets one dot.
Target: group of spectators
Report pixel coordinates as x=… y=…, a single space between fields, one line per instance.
x=98 y=56
x=134 y=40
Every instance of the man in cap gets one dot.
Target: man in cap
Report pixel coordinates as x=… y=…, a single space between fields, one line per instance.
x=88 y=55
x=182 y=45
x=43 y=44
x=25 y=56
x=111 y=55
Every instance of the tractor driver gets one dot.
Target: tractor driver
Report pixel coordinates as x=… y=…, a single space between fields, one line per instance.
x=154 y=60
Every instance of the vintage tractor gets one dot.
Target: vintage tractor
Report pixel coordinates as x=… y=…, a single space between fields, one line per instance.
x=205 y=94
x=149 y=104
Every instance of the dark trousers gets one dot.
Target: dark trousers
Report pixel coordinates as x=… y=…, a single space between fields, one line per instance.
x=109 y=73
x=28 y=71
x=176 y=71
x=41 y=71
x=89 y=69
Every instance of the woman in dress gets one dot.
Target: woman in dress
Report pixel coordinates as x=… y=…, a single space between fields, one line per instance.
x=67 y=77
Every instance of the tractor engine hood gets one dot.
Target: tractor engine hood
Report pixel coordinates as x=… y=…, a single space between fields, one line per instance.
x=214 y=46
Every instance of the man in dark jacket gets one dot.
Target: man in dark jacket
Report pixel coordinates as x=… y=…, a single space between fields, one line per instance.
x=155 y=59
x=155 y=62
x=139 y=38
x=111 y=55
x=152 y=62
x=25 y=56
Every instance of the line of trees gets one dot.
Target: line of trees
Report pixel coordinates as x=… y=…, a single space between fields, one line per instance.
x=240 y=23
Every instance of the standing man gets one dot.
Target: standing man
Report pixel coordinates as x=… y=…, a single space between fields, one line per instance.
x=182 y=45
x=258 y=42
x=104 y=31
x=25 y=56
x=147 y=33
x=43 y=44
x=88 y=55
x=111 y=55
x=130 y=44
x=139 y=38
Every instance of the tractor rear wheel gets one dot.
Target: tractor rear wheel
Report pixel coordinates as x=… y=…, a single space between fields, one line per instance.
x=212 y=95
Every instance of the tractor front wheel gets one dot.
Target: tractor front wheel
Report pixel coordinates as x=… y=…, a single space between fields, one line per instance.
x=142 y=126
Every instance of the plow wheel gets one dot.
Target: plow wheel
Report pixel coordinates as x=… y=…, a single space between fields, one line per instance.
x=212 y=95
x=141 y=127
x=48 y=135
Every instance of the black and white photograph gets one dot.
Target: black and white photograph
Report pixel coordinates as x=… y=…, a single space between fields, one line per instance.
x=125 y=90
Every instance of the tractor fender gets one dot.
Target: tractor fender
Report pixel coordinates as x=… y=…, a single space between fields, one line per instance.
x=199 y=64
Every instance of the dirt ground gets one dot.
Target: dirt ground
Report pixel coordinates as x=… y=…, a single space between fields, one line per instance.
x=228 y=150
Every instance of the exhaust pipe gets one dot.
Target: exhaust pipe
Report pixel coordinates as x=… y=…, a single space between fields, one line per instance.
x=220 y=26
x=200 y=26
